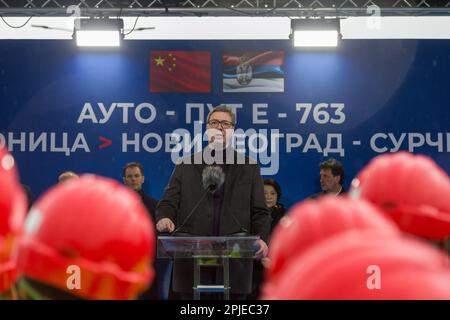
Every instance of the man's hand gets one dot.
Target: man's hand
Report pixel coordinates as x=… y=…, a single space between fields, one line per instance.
x=263 y=249
x=165 y=225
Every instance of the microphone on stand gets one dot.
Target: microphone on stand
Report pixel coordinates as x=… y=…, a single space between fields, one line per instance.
x=212 y=178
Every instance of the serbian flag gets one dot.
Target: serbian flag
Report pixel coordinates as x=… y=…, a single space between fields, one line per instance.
x=253 y=71
x=180 y=71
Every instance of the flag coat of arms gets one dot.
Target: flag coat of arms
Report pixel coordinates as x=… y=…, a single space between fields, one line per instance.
x=180 y=71
x=253 y=71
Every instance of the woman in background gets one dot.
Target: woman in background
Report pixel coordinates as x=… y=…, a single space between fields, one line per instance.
x=272 y=193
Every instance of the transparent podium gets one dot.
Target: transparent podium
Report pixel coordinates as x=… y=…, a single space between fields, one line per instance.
x=207 y=252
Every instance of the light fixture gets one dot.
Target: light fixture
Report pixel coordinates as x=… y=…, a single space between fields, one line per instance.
x=98 y=32
x=315 y=32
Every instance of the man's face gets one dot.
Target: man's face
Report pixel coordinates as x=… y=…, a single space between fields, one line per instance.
x=220 y=128
x=328 y=182
x=133 y=178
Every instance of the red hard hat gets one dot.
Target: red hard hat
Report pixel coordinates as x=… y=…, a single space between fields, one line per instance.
x=365 y=265
x=411 y=189
x=313 y=221
x=13 y=207
x=96 y=224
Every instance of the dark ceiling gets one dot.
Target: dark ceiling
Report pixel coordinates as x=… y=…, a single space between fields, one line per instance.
x=227 y=7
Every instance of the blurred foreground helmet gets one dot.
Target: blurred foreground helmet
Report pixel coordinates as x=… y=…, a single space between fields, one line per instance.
x=411 y=189
x=365 y=265
x=93 y=226
x=13 y=208
x=311 y=222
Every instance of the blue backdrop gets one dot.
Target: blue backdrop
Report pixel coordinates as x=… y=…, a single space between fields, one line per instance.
x=386 y=86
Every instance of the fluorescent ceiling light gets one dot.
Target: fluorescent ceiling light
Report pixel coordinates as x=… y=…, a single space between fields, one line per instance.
x=316 y=38
x=102 y=32
x=93 y=38
x=315 y=32
x=231 y=28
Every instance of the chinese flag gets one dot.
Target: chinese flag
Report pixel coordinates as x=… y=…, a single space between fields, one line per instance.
x=180 y=71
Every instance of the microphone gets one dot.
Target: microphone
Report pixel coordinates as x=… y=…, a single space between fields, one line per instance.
x=212 y=179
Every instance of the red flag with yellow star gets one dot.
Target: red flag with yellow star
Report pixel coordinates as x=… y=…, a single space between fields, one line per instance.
x=180 y=71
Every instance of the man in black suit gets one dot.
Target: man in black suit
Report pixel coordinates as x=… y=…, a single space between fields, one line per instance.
x=237 y=205
x=133 y=177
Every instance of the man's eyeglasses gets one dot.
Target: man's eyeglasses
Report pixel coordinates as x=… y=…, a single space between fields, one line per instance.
x=224 y=123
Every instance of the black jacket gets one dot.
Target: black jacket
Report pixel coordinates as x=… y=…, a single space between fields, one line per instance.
x=277 y=212
x=151 y=293
x=149 y=203
x=243 y=198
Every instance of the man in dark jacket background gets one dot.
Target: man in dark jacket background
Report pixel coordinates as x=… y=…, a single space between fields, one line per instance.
x=133 y=177
x=331 y=178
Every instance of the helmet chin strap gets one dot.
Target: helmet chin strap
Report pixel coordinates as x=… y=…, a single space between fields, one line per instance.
x=28 y=292
x=14 y=295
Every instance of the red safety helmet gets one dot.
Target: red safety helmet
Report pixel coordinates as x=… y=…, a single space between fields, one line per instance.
x=13 y=207
x=96 y=224
x=411 y=189
x=365 y=265
x=314 y=221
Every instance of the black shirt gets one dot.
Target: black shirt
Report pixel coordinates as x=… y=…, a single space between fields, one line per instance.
x=149 y=203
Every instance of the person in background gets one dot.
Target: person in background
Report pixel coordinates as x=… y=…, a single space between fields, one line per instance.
x=133 y=177
x=67 y=175
x=272 y=193
x=331 y=178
